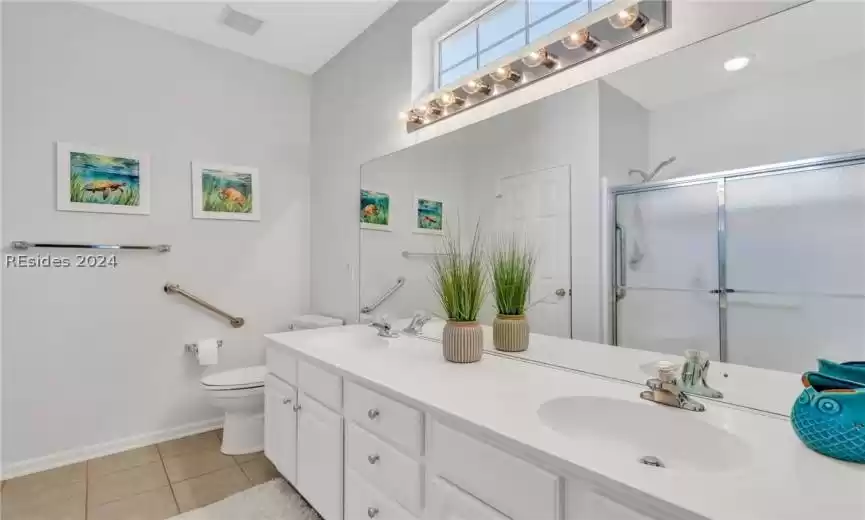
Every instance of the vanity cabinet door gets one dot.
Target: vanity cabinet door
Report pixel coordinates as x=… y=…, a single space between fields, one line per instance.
x=280 y=426
x=585 y=503
x=319 y=457
x=448 y=502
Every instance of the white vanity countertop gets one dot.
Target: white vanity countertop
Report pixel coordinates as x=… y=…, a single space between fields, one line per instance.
x=499 y=397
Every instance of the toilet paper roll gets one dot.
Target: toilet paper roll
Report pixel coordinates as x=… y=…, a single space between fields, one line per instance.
x=208 y=351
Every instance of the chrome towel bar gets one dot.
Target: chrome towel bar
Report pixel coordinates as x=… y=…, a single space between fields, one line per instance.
x=409 y=254
x=173 y=288
x=21 y=244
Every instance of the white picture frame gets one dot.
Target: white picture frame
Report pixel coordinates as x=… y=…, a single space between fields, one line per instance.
x=98 y=180
x=416 y=216
x=240 y=186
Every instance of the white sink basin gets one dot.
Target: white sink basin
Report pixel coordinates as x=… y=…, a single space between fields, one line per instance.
x=636 y=429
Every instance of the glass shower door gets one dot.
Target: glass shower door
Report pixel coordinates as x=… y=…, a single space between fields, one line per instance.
x=796 y=268
x=667 y=269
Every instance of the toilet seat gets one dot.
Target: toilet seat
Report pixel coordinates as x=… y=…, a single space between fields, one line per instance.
x=235 y=379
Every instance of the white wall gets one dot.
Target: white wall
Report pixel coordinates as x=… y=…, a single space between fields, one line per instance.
x=808 y=112
x=96 y=356
x=355 y=101
x=357 y=95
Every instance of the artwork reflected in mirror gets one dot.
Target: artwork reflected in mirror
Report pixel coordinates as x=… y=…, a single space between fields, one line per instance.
x=374 y=210
x=429 y=214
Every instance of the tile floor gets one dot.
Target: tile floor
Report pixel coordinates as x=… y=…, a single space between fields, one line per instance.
x=149 y=483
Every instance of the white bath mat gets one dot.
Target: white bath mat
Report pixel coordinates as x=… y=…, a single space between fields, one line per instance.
x=274 y=500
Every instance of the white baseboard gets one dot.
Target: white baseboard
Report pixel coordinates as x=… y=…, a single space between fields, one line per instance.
x=62 y=458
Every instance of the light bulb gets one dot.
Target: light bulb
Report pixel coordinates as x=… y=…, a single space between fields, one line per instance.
x=475 y=85
x=449 y=98
x=410 y=116
x=505 y=73
x=737 y=63
x=431 y=109
x=629 y=18
x=581 y=38
x=540 y=57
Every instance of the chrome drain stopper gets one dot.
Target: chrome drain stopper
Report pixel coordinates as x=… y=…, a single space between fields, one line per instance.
x=650 y=460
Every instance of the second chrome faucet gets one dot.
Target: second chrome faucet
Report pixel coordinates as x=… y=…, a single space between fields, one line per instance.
x=665 y=390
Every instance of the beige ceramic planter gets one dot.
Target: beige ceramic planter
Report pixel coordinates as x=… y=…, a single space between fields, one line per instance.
x=463 y=341
x=510 y=333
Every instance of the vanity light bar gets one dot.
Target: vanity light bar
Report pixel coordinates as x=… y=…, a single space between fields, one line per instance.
x=570 y=48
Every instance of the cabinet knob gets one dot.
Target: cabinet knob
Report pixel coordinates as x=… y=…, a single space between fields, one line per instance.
x=373 y=459
x=373 y=413
x=372 y=512
x=296 y=408
x=286 y=400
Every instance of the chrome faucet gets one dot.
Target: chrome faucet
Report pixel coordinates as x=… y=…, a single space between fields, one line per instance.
x=417 y=322
x=384 y=329
x=694 y=374
x=665 y=390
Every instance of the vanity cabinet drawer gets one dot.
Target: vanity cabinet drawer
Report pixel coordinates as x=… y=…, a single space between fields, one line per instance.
x=391 y=471
x=401 y=424
x=320 y=384
x=518 y=489
x=363 y=502
x=446 y=501
x=281 y=364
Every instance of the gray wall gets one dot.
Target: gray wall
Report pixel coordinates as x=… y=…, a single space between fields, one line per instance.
x=96 y=356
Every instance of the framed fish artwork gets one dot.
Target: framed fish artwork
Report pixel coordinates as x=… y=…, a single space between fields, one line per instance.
x=429 y=216
x=225 y=192
x=102 y=181
x=374 y=210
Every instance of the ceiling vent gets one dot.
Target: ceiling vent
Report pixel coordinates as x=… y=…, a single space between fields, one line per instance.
x=240 y=22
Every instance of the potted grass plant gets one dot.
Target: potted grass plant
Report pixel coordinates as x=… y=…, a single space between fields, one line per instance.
x=460 y=283
x=512 y=267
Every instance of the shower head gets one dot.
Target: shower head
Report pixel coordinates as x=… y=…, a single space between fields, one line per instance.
x=663 y=165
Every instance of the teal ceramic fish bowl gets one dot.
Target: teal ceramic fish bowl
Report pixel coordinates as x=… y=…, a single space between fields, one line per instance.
x=829 y=416
x=850 y=370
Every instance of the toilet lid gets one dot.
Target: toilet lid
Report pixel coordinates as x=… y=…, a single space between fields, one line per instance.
x=238 y=377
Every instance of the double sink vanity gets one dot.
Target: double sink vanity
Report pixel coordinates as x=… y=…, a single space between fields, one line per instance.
x=384 y=428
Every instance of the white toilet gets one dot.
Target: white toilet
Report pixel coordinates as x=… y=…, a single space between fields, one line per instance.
x=240 y=393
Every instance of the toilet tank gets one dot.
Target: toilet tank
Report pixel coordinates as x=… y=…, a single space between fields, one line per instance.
x=313 y=321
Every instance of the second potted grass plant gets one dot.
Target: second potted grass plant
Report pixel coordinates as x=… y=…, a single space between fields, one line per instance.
x=460 y=284
x=512 y=267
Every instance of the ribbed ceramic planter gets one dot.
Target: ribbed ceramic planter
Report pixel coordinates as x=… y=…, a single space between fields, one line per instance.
x=463 y=341
x=510 y=333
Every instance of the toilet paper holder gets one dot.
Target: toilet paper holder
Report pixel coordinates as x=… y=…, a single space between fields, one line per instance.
x=193 y=347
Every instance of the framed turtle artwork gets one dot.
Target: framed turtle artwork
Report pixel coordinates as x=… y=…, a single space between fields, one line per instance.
x=102 y=181
x=225 y=192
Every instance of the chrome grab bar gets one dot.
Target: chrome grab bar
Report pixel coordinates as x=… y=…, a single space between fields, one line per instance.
x=21 y=244
x=369 y=308
x=173 y=288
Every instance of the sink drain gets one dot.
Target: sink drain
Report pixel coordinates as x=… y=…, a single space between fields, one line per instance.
x=653 y=461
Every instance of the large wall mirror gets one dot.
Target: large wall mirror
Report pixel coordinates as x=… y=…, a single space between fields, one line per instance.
x=656 y=208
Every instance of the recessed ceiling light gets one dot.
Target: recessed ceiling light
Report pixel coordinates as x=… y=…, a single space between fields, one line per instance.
x=737 y=63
